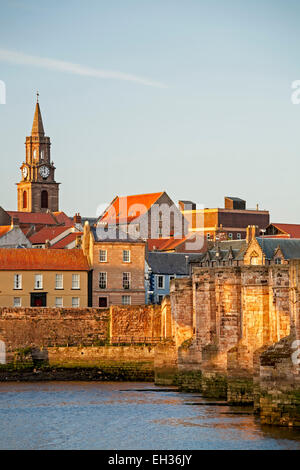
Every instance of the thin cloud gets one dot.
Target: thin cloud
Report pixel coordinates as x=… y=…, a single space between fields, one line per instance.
x=76 y=69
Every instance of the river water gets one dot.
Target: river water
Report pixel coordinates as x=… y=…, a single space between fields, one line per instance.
x=116 y=415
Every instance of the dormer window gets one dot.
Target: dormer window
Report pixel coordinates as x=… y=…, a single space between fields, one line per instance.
x=278 y=261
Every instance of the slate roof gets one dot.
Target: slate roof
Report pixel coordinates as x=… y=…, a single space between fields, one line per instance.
x=237 y=199
x=290 y=247
x=169 y=263
x=228 y=249
x=112 y=234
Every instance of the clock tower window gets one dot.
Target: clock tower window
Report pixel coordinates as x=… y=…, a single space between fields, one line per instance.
x=25 y=200
x=44 y=199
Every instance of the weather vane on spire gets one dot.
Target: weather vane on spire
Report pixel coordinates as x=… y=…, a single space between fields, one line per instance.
x=37 y=96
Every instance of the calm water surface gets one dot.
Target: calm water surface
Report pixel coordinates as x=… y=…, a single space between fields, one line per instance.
x=90 y=415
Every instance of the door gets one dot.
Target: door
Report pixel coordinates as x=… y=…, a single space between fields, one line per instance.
x=38 y=300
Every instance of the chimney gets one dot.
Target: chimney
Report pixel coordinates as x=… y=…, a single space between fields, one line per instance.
x=251 y=232
x=15 y=222
x=78 y=241
x=77 y=218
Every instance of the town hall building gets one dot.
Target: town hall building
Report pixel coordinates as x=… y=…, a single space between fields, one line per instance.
x=38 y=191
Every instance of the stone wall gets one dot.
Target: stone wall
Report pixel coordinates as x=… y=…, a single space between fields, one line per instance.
x=140 y=323
x=26 y=327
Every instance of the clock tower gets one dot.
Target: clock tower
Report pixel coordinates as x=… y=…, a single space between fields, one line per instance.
x=38 y=190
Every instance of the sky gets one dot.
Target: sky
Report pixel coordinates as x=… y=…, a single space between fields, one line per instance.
x=189 y=97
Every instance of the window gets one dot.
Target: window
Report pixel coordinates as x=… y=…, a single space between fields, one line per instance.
x=102 y=280
x=102 y=302
x=75 y=281
x=208 y=236
x=126 y=280
x=277 y=260
x=103 y=256
x=160 y=282
x=25 y=200
x=126 y=256
x=126 y=300
x=38 y=281
x=17 y=302
x=239 y=236
x=230 y=236
x=160 y=299
x=44 y=199
x=75 y=302
x=254 y=258
x=59 y=281
x=58 y=302
x=18 y=281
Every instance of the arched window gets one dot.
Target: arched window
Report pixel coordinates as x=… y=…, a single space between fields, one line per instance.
x=44 y=200
x=24 y=199
x=254 y=258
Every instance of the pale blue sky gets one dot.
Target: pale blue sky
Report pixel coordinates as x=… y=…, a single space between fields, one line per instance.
x=222 y=124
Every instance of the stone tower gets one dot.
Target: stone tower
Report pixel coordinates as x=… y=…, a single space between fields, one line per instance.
x=38 y=190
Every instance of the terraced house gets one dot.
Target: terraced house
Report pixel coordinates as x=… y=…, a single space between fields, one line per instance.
x=43 y=278
x=118 y=267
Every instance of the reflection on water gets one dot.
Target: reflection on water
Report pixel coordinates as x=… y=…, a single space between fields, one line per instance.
x=90 y=415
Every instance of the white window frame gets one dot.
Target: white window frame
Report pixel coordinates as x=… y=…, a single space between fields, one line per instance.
x=56 y=302
x=75 y=281
x=77 y=302
x=239 y=236
x=126 y=280
x=230 y=235
x=59 y=285
x=160 y=276
x=101 y=252
x=128 y=297
x=103 y=281
x=38 y=282
x=126 y=256
x=19 y=303
x=18 y=281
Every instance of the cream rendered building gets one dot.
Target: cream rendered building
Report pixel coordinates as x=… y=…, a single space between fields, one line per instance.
x=43 y=278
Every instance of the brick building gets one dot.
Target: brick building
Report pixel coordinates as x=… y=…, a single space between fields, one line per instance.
x=118 y=267
x=229 y=223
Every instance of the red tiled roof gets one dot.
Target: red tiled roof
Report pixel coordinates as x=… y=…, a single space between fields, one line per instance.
x=27 y=259
x=62 y=218
x=33 y=217
x=127 y=208
x=47 y=233
x=289 y=229
x=157 y=243
x=71 y=237
x=4 y=229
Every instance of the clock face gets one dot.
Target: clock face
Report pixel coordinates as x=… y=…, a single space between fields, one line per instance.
x=25 y=171
x=44 y=172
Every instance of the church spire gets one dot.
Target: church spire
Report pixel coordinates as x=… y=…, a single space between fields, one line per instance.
x=37 y=126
